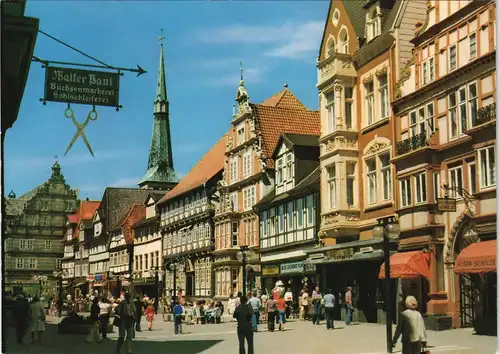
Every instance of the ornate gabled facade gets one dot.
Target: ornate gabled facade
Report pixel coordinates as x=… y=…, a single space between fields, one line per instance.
x=160 y=173
x=289 y=215
x=148 y=255
x=120 y=245
x=84 y=231
x=186 y=224
x=363 y=43
x=114 y=204
x=249 y=175
x=35 y=223
x=69 y=239
x=445 y=119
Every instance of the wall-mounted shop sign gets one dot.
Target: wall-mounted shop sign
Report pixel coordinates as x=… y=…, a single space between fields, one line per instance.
x=270 y=270
x=294 y=267
x=341 y=255
x=366 y=250
x=309 y=268
x=447 y=204
x=97 y=88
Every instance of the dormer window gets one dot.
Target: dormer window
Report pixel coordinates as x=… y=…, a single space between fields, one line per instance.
x=279 y=170
x=241 y=135
x=373 y=25
x=289 y=170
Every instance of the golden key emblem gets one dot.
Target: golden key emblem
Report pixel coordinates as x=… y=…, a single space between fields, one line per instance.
x=80 y=127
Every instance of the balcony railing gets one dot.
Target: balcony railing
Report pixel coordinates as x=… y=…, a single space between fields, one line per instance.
x=485 y=114
x=410 y=144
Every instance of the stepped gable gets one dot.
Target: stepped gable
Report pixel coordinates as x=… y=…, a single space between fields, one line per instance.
x=207 y=167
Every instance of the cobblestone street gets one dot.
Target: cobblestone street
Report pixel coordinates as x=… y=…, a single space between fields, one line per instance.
x=298 y=338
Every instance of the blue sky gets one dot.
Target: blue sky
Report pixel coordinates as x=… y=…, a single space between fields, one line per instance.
x=277 y=41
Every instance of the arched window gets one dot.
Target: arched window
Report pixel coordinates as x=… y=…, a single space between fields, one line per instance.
x=373 y=24
x=343 y=45
x=330 y=47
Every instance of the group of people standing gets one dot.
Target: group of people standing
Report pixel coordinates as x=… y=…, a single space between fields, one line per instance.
x=28 y=314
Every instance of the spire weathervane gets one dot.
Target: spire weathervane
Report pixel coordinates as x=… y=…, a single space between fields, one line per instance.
x=241 y=71
x=161 y=38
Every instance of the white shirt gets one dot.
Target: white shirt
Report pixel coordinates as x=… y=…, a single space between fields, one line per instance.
x=104 y=308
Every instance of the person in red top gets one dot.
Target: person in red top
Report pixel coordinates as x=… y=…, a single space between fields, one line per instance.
x=281 y=307
x=150 y=314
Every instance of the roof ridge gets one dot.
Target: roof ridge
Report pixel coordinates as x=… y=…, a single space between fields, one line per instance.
x=285 y=108
x=126 y=215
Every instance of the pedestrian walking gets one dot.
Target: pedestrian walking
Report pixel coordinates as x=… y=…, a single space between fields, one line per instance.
x=139 y=308
x=329 y=303
x=94 y=319
x=104 y=313
x=243 y=315
x=20 y=314
x=304 y=303
x=126 y=313
x=270 y=310
x=254 y=302
x=281 y=307
x=178 y=310
x=412 y=328
x=316 y=301
x=37 y=320
x=230 y=305
x=348 y=306
x=263 y=300
x=150 y=314
x=289 y=302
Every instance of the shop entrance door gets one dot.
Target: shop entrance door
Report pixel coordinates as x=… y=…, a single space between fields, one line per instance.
x=468 y=295
x=189 y=284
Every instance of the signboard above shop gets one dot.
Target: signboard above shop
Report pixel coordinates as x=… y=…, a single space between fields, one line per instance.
x=91 y=87
x=294 y=267
x=341 y=255
x=447 y=204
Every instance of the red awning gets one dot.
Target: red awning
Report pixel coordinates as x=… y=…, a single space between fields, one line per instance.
x=408 y=265
x=480 y=257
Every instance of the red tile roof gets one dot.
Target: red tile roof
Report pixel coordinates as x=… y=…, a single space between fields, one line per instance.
x=135 y=213
x=283 y=113
x=87 y=208
x=207 y=167
x=73 y=218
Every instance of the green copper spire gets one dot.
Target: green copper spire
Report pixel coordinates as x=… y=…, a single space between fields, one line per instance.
x=160 y=173
x=161 y=88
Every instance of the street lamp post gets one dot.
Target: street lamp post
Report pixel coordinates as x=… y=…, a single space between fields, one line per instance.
x=388 y=229
x=242 y=257
x=157 y=272
x=59 y=273
x=172 y=266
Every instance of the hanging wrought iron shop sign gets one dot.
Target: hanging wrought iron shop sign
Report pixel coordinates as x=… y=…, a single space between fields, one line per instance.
x=446 y=204
x=96 y=88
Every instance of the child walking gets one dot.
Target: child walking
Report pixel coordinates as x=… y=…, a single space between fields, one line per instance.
x=150 y=314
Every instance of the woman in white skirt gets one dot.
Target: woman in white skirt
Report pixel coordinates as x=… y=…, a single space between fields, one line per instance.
x=37 y=320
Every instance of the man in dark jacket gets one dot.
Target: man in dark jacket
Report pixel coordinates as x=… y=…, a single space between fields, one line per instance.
x=20 y=313
x=139 y=306
x=244 y=314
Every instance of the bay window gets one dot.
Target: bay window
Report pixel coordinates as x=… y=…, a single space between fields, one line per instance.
x=371 y=176
x=421 y=188
x=455 y=177
x=487 y=173
x=350 y=178
x=348 y=104
x=332 y=187
x=405 y=192
x=385 y=172
x=384 y=96
x=369 y=103
x=330 y=107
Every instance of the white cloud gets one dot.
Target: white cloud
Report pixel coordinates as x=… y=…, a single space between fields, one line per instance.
x=290 y=40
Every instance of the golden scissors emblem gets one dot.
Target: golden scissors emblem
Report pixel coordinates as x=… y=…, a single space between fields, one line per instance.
x=80 y=128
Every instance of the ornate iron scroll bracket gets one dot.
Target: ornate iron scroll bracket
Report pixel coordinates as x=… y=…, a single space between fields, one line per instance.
x=470 y=201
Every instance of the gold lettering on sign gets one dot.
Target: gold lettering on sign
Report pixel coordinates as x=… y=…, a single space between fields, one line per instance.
x=344 y=254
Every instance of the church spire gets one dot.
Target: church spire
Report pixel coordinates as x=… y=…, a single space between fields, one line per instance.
x=160 y=173
x=161 y=86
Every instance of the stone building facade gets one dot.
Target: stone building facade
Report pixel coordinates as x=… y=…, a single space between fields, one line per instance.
x=445 y=118
x=34 y=225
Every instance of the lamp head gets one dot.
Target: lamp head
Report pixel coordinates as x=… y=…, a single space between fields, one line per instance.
x=378 y=231
x=393 y=231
